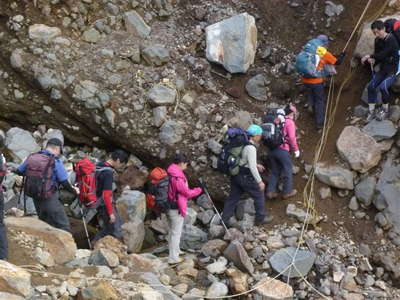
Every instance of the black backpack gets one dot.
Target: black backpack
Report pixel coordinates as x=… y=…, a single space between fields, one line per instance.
x=273 y=128
x=234 y=142
x=158 y=191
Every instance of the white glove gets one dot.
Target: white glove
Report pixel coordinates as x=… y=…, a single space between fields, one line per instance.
x=297 y=154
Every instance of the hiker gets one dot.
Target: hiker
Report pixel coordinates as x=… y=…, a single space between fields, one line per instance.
x=44 y=172
x=107 y=211
x=313 y=76
x=393 y=26
x=178 y=194
x=3 y=229
x=279 y=158
x=248 y=180
x=386 y=55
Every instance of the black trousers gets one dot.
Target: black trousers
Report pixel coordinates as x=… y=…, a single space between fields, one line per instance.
x=52 y=212
x=3 y=230
x=113 y=229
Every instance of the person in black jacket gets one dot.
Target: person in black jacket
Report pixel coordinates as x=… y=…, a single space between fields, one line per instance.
x=386 y=55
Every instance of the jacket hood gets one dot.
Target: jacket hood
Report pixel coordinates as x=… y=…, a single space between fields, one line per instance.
x=175 y=171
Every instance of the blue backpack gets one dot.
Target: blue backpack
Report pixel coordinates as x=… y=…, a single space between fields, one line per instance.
x=306 y=61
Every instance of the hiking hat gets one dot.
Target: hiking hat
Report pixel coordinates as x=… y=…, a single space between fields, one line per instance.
x=324 y=39
x=55 y=142
x=254 y=130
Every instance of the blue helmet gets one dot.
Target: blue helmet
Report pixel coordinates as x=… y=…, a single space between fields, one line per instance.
x=254 y=130
x=324 y=39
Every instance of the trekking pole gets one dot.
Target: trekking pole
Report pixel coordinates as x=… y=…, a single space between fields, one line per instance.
x=216 y=210
x=85 y=226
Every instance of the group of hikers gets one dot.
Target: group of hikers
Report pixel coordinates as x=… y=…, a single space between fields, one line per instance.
x=169 y=192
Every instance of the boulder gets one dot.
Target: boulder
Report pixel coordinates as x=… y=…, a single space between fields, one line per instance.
x=380 y=130
x=98 y=291
x=135 y=24
x=161 y=95
x=20 y=143
x=270 y=288
x=217 y=289
x=232 y=43
x=132 y=206
x=256 y=87
x=43 y=33
x=59 y=243
x=360 y=150
x=111 y=243
x=14 y=280
x=156 y=55
x=237 y=280
x=302 y=262
x=214 y=248
x=335 y=176
x=171 y=132
x=133 y=234
x=238 y=255
x=192 y=237
x=104 y=257
x=365 y=190
x=139 y=263
x=293 y=211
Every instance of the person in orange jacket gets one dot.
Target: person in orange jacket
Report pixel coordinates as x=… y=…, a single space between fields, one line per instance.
x=315 y=86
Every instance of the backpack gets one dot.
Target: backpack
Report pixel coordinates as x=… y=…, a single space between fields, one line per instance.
x=39 y=176
x=308 y=59
x=234 y=142
x=157 y=197
x=274 y=122
x=86 y=174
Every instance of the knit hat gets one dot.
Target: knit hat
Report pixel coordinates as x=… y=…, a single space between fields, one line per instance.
x=254 y=130
x=55 y=142
x=324 y=39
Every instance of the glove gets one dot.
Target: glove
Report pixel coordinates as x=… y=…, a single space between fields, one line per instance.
x=297 y=154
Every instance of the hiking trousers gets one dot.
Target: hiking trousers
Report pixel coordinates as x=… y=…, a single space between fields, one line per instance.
x=3 y=230
x=175 y=221
x=107 y=228
x=52 y=212
x=281 y=166
x=317 y=99
x=244 y=182
x=381 y=81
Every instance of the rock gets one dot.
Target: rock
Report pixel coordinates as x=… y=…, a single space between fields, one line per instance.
x=152 y=280
x=360 y=111
x=275 y=241
x=156 y=55
x=111 y=243
x=238 y=255
x=365 y=190
x=98 y=291
x=192 y=237
x=214 y=248
x=293 y=211
x=256 y=87
x=104 y=257
x=59 y=243
x=217 y=289
x=242 y=119
x=44 y=257
x=206 y=216
x=4 y=295
x=161 y=95
x=325 y=193
x=218 y=267
x=394 y=113
x=171 y=132
x=237 y=280
x=133 y=234
x=131 y=206
x=353 y=205
x=159 y=115
x=43 y=33
x=245 y=207
x=331 y=9
x=365 y=44
x=360 y=150
x=214 y=146
x=14 y=280
x=17 y=59
x=91 y=36
x=191 y=216
x=148 y=293
x=86 y=91
x=232 y=43
x=204 y=202
x=380 y=130
x=270 y=288
x=304 y=260
x=216 y=231
x=20 y=143
x=234 y=234
x=136 y=25
x=140 y=263
x=335 y=176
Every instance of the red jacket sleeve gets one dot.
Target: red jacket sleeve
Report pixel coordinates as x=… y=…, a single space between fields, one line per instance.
x=107 y=197
x=185 y=191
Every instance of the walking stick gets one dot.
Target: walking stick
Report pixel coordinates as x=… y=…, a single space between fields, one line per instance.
x=216 y=210
x=85 y=226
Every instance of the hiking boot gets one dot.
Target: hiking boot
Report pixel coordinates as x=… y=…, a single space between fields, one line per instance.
x=174 y=263
x=266 y=220
x=370 y=116
x=289 y=195
x=272 y=195
x=381 y=114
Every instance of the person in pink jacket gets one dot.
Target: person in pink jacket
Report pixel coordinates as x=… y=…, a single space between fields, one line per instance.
x=178 y=194
x=280 y=161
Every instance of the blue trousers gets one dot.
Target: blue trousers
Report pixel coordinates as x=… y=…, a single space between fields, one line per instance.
x=244 y=183
x=281 y=166
x=382 y=81
x=3 y=230
x=317 y=99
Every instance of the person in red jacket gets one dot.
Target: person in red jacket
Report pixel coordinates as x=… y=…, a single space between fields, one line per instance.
x=178 y=194
x=107 y=211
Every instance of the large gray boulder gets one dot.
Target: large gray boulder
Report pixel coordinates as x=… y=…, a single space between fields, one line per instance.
x=360 y=150
x=380 y=130
x=365 y=190
x=133 y=234
x=302 y=262
x=192 y=237
x=238 y=255
x=232 y=43
x=135 y=24
x=132 y=206
x=335 y=176
x=20 y=143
